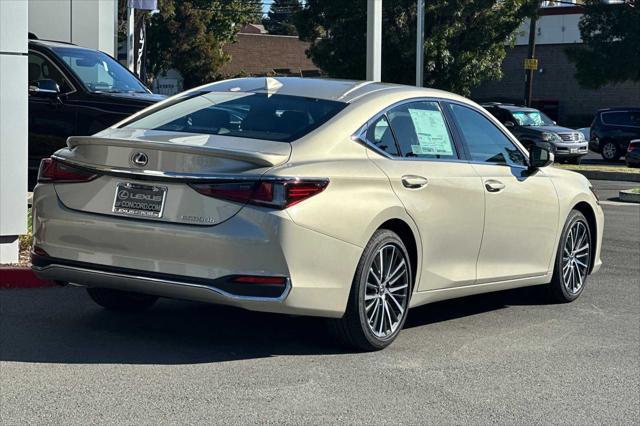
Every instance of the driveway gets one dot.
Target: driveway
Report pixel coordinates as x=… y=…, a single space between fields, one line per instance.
x=501 y=358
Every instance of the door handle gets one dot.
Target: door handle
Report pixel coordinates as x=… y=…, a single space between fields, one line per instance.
x=494 y=185
x=414 y=182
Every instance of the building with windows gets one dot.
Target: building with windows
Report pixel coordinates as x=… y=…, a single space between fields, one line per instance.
x=555 y=88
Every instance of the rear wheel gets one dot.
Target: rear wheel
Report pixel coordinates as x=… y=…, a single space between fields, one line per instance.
x=611 y=151
x=573 y=259
x=121 y=301
x=379 y=298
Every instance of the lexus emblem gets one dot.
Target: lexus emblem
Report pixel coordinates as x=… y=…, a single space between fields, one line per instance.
x=140 y=159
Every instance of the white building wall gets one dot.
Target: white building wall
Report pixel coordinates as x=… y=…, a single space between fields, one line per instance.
x=13 y=127
x=88 y=23
x=552 y=29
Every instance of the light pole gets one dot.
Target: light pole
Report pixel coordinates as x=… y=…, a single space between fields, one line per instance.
x=374 y=40
x=420 y=44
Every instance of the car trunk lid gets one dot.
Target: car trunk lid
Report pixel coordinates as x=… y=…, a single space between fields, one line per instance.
x=146 y=174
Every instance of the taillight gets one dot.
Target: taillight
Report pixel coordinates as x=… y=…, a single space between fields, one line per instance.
x=52 y=170
x=276 y=193
x=633 y=147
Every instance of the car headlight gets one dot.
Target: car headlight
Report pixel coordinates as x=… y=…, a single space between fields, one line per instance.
x=581 y=137
x=550 y=137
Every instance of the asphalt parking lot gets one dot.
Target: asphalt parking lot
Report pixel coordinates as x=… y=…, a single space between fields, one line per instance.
x=505 y=358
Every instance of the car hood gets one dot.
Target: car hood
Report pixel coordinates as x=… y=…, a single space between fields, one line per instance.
x=150 y=98
x=553 y=129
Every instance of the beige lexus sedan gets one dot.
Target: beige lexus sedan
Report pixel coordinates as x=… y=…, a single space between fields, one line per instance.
x=353 y=201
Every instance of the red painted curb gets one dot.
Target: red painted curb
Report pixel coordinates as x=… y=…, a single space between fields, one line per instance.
x=17 y=277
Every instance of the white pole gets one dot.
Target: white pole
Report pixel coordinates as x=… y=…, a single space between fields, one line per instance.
x=130 y=31
x=420 y=45
x=374 y=40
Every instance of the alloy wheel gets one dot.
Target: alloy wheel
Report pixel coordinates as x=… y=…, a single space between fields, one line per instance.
x=576 y=257
x=609 y=150
x=386 y=293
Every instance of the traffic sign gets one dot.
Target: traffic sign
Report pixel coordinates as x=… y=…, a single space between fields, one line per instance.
x=530 y=64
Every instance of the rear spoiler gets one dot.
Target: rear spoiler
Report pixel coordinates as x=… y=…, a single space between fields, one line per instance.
x=258 y=158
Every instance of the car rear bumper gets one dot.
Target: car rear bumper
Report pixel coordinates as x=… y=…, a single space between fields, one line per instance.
x=195 y=262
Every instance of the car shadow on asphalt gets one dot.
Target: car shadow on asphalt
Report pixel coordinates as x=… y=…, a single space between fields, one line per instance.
x=61 y=325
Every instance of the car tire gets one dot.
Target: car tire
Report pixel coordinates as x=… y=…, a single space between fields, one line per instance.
x=121 y=301
x=573 y=259
x=376 y=311
x=611 y=151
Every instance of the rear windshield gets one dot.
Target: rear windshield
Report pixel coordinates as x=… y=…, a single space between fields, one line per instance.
x=273 y=117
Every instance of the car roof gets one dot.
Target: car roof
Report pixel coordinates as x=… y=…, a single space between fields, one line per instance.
x=53 y=43
x=320 y=88
x=510 y=107
x=613 y=109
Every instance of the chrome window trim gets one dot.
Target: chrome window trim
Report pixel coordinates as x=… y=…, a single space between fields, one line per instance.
x=45 y=56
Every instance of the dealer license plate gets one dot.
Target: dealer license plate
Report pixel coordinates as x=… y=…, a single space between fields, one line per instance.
x=133 y=199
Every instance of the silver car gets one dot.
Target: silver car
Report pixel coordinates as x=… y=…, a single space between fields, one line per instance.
x=348 y=200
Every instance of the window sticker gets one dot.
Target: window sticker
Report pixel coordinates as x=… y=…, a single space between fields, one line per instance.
x=433 y=137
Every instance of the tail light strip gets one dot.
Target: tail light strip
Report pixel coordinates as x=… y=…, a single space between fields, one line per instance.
x=274 y=192
x=279 y=193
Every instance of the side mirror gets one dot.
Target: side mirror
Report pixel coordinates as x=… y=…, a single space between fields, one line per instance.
x=539 y=157
x=45 y=88
x=509 y=124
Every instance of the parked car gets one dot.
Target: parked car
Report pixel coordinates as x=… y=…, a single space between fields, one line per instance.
x=348 y=200
x=76 y=91
x=612 y=129
x=633 y=154
x=532 y=126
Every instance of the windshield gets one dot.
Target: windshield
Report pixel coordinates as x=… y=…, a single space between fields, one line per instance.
x=99 y=72
x=281 y=118
x=532 y=118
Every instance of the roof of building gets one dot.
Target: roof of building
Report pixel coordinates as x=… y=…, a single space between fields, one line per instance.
x=265 y=54
x=253 y=29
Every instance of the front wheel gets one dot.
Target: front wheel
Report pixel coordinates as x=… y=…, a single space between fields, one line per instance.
x=379 y=298
x=121 y=301
x=573 y=259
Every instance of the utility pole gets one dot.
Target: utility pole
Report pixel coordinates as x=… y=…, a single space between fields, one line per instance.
x=531 y=64
x=420 y=44
x=374 y=40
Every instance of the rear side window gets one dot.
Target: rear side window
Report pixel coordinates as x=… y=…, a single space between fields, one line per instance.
x=379 y=134
x=485 y=141
x=281 y=118
x=421 y=131
x=619 y=118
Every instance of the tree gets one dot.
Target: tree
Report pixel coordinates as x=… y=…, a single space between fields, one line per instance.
x=610 y=52
x=280 y=19
x=189 y=35
x=465 y=40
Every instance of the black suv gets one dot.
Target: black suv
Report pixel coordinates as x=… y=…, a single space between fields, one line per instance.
x=532 y=126
x=611 y=131
x=76 y=91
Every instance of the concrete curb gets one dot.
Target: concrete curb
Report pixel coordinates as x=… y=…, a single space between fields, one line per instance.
x=629 y=197
x=21 y=277
x=602 y=175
